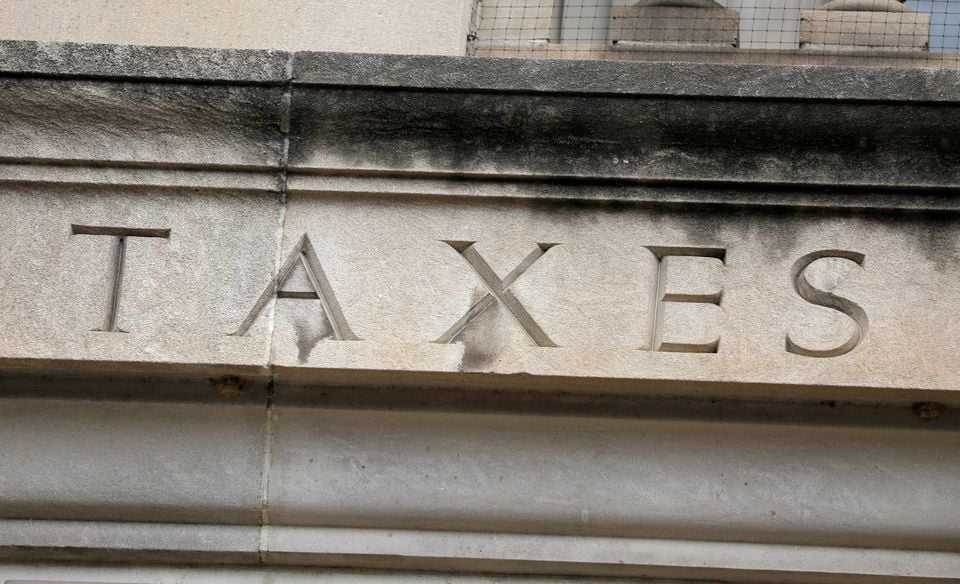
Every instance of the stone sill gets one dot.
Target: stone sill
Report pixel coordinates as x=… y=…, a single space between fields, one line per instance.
x=808 y=74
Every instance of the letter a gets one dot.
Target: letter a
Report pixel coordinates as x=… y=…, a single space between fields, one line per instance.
x=304 y=255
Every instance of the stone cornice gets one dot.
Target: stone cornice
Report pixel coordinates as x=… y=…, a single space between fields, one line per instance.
x=444 y=73
x=616 y=130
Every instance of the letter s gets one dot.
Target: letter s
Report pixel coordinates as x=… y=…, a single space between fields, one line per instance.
x=829 y=300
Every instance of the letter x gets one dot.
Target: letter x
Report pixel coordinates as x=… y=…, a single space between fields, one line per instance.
x=498 y=291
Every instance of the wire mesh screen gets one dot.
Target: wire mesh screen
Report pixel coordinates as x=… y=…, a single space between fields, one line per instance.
x=924 y=33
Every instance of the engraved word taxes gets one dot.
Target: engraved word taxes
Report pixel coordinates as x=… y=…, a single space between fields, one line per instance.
x=670 y=263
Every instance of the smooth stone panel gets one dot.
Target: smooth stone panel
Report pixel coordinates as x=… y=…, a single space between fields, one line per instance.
x=130 y=461
x=385 y=26
x=861 y=487
x=181 y=296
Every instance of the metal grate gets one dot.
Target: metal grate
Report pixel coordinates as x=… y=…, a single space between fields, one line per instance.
x=923 y=33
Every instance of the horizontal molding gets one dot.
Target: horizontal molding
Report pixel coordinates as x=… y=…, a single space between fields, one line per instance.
x=425 y=390
x=594 y=556
x=716 y=126
x=60 y=573
x=472 y=552
x=93 y=173
x=724 y=142
x=271 y=67
x=116 y=540
x=176 y=64
x=619 y=78
x=666 y=192
x=835 y=479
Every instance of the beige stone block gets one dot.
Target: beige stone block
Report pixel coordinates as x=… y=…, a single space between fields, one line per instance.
x=190 y=266
x=373 y=26
x=519 y=20
x=546 y=291
x=864 y=29
x=94 y=460
x=675 y=24
x=406 y=287
x=583 y=283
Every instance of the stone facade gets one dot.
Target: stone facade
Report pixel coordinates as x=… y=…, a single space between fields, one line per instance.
x=274 y=317
x=372 y=26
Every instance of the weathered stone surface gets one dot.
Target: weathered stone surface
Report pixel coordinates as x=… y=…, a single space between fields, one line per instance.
x=145 y=62
x=629 y=78
x=588 y=307
x=186 y=282
x=448 y=133
x=494 y=319
x=157 y=125
x=648 y=141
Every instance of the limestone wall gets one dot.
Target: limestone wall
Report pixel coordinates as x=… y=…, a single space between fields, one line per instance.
x=375 y=26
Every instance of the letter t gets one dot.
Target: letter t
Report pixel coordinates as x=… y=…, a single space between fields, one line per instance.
x=120 y=235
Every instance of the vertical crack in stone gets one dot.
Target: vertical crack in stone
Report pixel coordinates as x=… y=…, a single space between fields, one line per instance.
x=284 y=126
x=264 y=544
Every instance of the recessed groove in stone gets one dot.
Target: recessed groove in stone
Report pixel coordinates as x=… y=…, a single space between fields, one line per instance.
x=120 y=231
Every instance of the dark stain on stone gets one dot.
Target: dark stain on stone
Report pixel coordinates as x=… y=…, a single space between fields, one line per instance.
x=309 y=335
x=704 y=139
x=482 y=339
x=937 y=239
x=229 y=387
x=928 y=411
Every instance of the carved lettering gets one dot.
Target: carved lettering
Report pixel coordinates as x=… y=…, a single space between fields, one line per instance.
x=827 y=299
x=498 y=290
x=663 y=295
x=120 y=235
x=305 y=256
